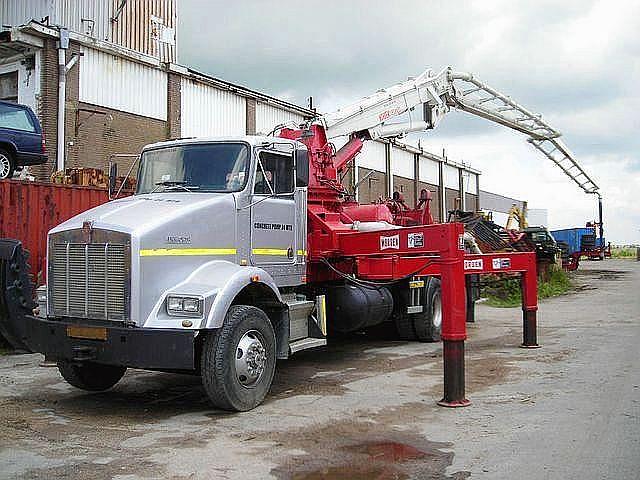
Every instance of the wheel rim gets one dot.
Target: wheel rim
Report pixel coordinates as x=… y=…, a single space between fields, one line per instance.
x=437 y=311
x=5 y=166
x=251 y=359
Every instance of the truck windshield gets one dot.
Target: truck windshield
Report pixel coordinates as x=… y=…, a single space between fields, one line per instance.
x=207 y=167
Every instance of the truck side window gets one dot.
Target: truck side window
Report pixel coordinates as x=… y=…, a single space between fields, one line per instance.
x=278 y=173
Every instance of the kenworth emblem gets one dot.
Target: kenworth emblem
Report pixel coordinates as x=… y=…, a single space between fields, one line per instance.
x=87 y=231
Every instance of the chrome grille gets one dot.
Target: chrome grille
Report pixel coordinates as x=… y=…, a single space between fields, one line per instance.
x=89 y=280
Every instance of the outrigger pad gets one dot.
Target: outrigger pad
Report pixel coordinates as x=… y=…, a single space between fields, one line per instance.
x=16 y=292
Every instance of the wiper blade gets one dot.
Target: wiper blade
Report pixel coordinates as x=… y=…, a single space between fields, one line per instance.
x=175 y=184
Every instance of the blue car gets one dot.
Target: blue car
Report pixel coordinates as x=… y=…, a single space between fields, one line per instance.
x=21 y=139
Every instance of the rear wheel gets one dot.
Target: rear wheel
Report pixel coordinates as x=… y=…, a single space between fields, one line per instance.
x=93 y=377
x=428 y=323
x=238 y=360
x=7 y=164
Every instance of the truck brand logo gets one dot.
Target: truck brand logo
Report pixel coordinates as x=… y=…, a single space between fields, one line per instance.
x=87 y=231
x=501 y=263
x=392 y=112
x=415 y=240
x=475 y=264
x=179 y=239
x=390 y=242
x=287 y=227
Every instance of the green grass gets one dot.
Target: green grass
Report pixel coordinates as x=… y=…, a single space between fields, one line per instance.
x=506 y=293
x=623 y=252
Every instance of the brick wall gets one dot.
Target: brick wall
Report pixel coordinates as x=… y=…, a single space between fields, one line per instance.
x=48 y=107
x=373 y=187
x=405 y=186
x=100 y=135
x=174 y=85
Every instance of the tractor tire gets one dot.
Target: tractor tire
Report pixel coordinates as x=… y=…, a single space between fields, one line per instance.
x=239 y=359
x=93 y=377
x=428 y=323
x=7 y=164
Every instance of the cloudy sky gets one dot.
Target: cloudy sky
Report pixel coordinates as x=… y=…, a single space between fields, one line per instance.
x=575 y=61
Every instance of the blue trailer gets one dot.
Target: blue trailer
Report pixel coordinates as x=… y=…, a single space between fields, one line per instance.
x=578 y=242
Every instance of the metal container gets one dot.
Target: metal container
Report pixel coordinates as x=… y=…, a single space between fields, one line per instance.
x=28 y=210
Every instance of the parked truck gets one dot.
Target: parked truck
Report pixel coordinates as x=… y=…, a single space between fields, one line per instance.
x=238 y=251
x=576 y=243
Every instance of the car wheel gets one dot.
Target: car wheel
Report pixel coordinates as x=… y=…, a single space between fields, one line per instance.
x=239 y=359
x=7 y=165
x=93 y=377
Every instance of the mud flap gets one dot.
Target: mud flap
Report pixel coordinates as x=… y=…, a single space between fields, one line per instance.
x=16 y=293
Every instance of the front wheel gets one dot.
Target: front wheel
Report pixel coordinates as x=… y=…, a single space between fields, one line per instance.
x=93 y=377
x=239 y=360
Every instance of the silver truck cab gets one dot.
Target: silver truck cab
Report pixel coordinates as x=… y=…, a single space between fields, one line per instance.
x=196 y=272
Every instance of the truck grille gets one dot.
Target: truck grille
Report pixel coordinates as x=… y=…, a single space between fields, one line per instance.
x=89 y=280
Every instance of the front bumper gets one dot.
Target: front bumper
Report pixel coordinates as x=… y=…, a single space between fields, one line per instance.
x=161 y=349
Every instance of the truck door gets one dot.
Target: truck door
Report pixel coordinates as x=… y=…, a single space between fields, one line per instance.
x=273 y=211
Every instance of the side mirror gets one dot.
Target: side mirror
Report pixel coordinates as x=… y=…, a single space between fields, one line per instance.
x=113 y=175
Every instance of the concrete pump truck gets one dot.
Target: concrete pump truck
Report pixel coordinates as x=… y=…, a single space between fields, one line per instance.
x=236 y=252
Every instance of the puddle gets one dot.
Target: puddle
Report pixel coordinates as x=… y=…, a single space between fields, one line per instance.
x=352 y=473
x=388 y=451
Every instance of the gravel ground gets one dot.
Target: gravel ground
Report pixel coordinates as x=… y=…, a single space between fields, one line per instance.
x=364 y=408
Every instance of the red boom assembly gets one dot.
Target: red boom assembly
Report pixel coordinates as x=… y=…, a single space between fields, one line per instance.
x=337 y=246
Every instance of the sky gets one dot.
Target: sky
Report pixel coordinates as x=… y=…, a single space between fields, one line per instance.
x=575 y=61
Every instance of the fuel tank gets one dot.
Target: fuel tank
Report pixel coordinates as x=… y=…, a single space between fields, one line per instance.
x=351 y=308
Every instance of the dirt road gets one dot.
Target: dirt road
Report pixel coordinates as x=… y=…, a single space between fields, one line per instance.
x=364 y=408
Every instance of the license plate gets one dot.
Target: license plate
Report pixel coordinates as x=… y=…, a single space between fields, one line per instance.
x=89 y=333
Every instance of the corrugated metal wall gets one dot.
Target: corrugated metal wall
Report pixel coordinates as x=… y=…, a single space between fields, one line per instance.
x=110 y=81
x=269 y=116
x=28 y=210
x=19 y=12
x=207 y=111
x=372 y=156
x=451 y=179
x=429 y=171
x=402 y=162
x=135 y=29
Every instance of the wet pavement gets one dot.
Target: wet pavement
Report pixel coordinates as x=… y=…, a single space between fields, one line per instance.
x=364 y=408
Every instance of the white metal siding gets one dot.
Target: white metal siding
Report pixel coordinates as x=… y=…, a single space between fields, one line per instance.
x=269 y=116
x=429 y=171
x=372 y=156
x=470 y=181
x=207 y=111
x=402 y=162
x=114 y=82
x=19 y=12
x=91 y=17
x=451 y=179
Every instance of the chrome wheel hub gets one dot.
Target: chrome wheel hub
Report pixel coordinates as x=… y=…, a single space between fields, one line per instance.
x=251 y=359
x=437 y=310
x=5 y=165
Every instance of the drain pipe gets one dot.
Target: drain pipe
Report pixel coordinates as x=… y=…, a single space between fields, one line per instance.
x=63 y=45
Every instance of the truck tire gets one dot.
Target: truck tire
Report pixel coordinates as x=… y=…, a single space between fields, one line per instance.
x=428 y=324
x=401 y=319
x=7 y=164
x=239 y=360
x=93 y=377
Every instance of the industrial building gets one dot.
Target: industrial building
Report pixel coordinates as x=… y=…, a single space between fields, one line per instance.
x=113 y=65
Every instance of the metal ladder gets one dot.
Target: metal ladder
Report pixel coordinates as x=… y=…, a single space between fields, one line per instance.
x=473 y=96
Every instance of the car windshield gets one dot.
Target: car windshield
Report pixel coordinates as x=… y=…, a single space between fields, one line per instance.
x=206 y=167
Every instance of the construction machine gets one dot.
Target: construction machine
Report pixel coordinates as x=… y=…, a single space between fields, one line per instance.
x=235 y=252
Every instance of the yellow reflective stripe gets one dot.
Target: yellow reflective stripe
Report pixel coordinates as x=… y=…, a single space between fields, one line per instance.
x=302 y=253
x=269 y=251
x=163 y=252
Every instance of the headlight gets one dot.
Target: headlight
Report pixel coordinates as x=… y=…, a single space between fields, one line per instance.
x=183 y=306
